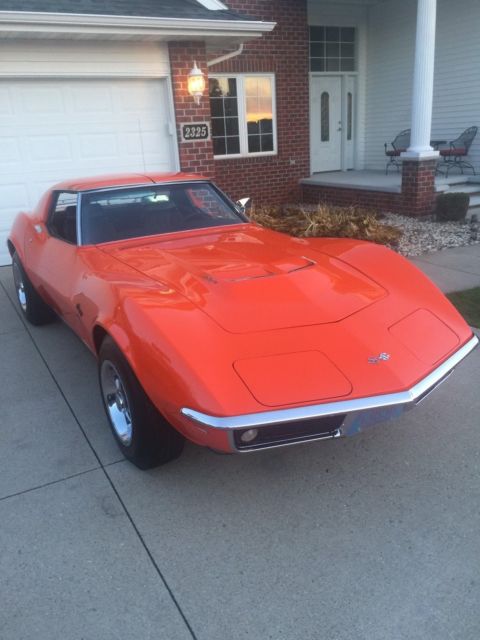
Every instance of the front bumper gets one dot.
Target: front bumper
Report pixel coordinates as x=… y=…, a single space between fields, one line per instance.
x=328 y=420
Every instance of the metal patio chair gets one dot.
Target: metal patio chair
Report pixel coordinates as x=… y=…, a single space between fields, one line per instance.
x=398 y=146
x=454 y=155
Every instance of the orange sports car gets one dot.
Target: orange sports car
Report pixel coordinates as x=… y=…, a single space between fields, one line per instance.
x=209 y=327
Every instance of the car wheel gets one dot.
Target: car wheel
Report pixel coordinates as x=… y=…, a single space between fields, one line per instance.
x=35 y=310
x=142 y=433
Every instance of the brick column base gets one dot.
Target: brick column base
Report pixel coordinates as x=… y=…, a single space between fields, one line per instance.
x=196 y=156
x=418 y=187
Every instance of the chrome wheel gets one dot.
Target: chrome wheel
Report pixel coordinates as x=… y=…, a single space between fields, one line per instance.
x=116 y=402
x=19 y=286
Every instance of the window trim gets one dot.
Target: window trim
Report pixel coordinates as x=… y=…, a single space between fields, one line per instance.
x=242 y=115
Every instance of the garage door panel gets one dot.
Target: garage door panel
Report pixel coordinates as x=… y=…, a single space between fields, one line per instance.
x=10 y=155
x=51 y=130
x=99 y=145
x=44 y=100
x=96 y=99
x=14 y=195
x=6 y=103
x=44 y=149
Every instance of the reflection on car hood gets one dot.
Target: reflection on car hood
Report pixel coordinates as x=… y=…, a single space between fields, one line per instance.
x=251 y=279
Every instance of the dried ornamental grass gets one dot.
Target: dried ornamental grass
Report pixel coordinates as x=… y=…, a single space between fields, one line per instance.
x=326 y=221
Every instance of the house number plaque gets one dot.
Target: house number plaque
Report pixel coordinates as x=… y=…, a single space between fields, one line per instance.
x=195 y=131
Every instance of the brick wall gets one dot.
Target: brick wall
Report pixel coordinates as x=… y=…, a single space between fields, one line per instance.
x=196 y=157
x=378 y=200
x=283 y=52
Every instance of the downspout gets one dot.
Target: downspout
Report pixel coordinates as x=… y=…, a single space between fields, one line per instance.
x=226 y=56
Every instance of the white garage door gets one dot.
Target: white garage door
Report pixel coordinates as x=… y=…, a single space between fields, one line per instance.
x=51 y=130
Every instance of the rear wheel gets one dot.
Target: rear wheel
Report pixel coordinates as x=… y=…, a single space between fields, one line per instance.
x=142 y=433
x=35 y=310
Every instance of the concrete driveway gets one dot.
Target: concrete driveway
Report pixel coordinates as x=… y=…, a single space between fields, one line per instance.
x=372 y=538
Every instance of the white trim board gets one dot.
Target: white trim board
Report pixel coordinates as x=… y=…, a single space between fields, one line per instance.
x=82 y=58
x=25 y=23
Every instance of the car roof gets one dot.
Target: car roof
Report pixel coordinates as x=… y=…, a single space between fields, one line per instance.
x=123 y=179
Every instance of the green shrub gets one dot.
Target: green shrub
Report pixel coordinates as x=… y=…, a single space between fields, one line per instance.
x=326 y=221
x=452 y=206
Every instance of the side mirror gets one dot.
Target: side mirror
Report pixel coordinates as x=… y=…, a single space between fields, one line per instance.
x=242 y=204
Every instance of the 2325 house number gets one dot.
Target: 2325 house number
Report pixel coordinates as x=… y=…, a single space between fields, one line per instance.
x=195 y=131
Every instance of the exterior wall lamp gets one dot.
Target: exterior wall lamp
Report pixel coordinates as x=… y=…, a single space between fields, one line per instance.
x=196 y=83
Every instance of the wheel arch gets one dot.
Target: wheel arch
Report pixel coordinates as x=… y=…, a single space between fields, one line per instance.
x=11 y=247
x=116 y=333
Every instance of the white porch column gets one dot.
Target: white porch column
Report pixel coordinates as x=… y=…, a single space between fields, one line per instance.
x=423 y=83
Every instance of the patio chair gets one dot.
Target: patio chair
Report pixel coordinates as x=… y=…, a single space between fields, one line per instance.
x=454 y=155
x=399 y=145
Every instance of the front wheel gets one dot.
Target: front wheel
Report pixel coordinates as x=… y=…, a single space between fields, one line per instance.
x=142 y=433
x=35 y=310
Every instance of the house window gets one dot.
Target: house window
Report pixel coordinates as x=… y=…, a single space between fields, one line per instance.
x=332 y=49
x=243 y=115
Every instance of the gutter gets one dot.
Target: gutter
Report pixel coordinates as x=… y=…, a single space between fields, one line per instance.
x=226 y=56
x=74 y=22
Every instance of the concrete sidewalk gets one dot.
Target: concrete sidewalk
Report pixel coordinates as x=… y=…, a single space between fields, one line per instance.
x=452 y=269
x=372 y=538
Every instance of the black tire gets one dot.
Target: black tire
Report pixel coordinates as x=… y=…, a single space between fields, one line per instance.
x=33 y=307
x=142 y=433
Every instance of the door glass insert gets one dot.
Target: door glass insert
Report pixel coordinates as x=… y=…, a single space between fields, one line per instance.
x=349 y=115
x=325 y=116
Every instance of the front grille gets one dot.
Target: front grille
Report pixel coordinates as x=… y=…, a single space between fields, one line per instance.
x=289 y=432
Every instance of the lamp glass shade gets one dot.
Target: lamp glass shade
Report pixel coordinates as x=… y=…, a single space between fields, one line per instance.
x=196 y=83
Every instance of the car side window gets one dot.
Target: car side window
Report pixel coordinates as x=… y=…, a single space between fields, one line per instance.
x=62 y=222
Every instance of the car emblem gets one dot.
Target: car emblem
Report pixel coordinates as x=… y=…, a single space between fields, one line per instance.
x=376 y=359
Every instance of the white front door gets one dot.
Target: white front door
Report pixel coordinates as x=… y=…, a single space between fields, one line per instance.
x=332 y=123
x=326 y=123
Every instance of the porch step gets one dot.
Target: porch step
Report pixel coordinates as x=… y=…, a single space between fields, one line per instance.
x=474 y=201
x=459 y=179
x=464 y=188
x=470 y=185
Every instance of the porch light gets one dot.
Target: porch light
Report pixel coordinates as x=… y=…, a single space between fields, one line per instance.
x=196 y=83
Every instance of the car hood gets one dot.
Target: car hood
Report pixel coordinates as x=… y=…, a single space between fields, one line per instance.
x=248 y=278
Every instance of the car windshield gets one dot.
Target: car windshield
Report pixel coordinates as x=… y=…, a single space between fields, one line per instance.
x=133 y=212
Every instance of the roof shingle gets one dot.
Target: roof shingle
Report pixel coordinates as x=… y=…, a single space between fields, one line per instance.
x=187 y=9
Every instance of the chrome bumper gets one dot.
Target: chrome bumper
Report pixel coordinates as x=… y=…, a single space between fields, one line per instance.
x=359 y=413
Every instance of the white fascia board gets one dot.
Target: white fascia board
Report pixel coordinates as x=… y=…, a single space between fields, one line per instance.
x=23 y=21
x=213 y=5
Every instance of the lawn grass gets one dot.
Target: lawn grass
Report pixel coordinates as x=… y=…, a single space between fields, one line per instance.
x=468 y=303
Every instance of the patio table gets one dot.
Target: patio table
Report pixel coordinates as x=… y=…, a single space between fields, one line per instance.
x=436 y=143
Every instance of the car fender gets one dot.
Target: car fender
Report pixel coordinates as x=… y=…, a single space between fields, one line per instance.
x=399 y=276
x=21 y=229
x=144 y=338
